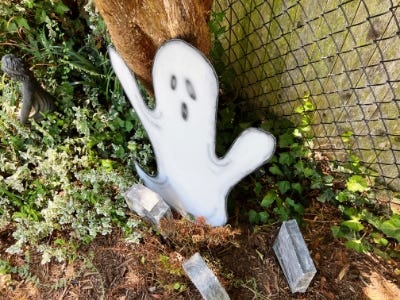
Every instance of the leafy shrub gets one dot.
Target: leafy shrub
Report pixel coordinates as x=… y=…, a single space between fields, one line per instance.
x=294 y=177
x=367 y=226
x=292 y=173
x=61 y=180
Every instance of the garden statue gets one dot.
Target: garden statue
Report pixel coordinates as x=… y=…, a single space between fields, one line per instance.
x=182 y=129
x=33 y=95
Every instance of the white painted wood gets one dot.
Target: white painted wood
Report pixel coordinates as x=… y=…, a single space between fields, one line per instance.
x=191 y=178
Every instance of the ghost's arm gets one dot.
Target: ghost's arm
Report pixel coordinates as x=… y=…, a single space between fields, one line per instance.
x=251 y=149
x=128 y=82
x=150 y=181
x=27 y=95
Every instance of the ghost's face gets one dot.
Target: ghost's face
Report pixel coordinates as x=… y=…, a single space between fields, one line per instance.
x=185 y=87
x=190 y=95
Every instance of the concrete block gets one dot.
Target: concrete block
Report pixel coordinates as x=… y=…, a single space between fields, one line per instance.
x=147 y=203
x=204 y=279
x=294 y=257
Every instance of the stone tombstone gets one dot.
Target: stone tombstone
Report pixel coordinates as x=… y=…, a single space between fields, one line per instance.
x=182 y=129
x=146 y=203
x=294 y=257
x=204 y=279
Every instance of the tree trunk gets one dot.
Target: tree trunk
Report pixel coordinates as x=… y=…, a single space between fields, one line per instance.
x=139 y=27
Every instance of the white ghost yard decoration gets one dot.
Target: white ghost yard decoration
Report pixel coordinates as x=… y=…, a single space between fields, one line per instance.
x=181 y=128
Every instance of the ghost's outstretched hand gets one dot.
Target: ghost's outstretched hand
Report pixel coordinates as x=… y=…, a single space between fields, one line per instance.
x=131 y=88
x=251 y=149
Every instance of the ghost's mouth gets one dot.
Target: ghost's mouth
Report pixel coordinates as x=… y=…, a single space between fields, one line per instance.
x=184 y=111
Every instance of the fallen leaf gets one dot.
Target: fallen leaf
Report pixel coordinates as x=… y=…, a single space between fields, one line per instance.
x=5 y=280
x=380 y=288
x=343 y=272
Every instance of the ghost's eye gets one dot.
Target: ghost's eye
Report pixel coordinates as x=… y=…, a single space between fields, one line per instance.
x=190 y=89
x=173 y=82
x=184 y=111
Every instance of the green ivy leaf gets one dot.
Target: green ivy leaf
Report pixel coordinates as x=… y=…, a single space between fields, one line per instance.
x=299 y=166
x=326 y=196
x=297 y=187
x=328 y=180
x=29 y=3
x=353 y=225
x=357 y=183
x=282 y=213
x=352 y=213
x=286 y=140
x=286 y=158
x=299 y=109
x=108 y=164
x=346 y=136
x=342 y=197
x=308 y=106
x=254 y=218
x=296 y=206
x=263 y=216
x=371 y=218
x=379 y=239
x=12 y=27
x=356 y=245
x=308 y=172
x=391 y=227
x=22 y=22
x=41 y=16
x=336 y=232
x=305 y=129
x=274 y=169
x=60 y=8
x=297 y=133
x=268 y=199
x=128 y=126
x=132 y=146
x=257 y=188
x=283 y=186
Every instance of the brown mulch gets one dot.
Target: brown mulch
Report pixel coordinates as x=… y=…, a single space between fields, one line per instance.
x=242 y=258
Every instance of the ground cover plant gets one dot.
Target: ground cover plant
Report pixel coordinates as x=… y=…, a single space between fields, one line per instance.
x=66 y=232
x=67 y=173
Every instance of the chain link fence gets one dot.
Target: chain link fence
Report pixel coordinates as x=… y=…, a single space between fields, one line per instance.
x=344 y=54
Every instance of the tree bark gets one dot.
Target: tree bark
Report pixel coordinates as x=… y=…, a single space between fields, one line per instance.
x=138 y=27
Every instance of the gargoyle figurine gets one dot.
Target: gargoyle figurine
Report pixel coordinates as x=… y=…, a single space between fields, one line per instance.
x=182 y=129
x=33 y=95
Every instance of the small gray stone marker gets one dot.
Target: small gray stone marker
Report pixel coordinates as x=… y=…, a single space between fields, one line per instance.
x=204 y=279
x=294 y=257
x=147 y=203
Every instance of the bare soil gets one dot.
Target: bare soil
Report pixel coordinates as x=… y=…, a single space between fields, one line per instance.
x=240 y=256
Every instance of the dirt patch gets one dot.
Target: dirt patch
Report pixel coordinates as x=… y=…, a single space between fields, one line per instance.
x=242 y=258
